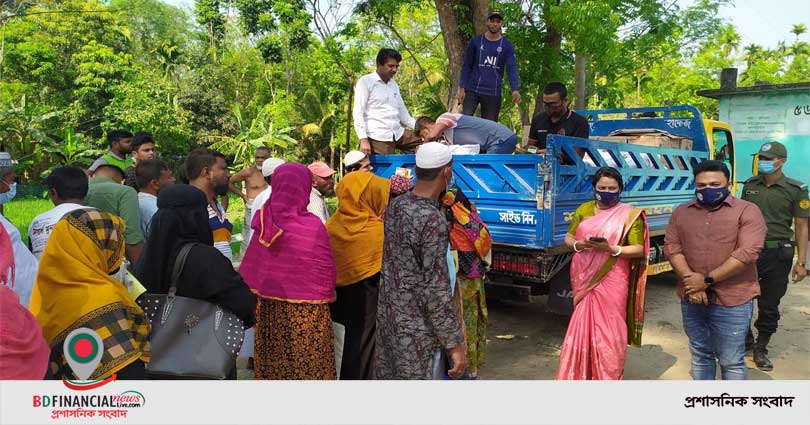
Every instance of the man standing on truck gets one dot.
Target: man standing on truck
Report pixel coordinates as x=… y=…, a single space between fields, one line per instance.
x=713 y=244
x=482 y=70
x=379 y=111
x=783 y=202
x=557 y=118
x=458 y=129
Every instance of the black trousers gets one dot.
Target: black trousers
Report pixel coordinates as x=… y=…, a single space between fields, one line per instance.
x=490 y=105
x=774 y=266
x=356 y=309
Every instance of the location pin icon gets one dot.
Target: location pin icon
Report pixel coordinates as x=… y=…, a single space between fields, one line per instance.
x=83 y=350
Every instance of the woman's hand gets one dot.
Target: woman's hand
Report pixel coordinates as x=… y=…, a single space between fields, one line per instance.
x=603 y=247
x=583 y=245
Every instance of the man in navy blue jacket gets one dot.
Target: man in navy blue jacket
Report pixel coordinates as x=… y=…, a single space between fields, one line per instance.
x=485 y=60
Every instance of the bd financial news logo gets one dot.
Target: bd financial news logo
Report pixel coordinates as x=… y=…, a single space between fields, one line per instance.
x=83 y=350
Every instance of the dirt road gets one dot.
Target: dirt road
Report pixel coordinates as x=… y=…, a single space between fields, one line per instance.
x=534 y=351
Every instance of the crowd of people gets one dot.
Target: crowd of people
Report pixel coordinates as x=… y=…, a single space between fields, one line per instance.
x=390 y=286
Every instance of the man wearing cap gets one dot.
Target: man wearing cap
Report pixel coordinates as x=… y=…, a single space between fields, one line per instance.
x=322 y=185
x=783 y=202
x=269 y=166
x=482 y=71
x=457 y=129
x=254 y=184
x=416 y=313
x=379 y=111
x=356 y=160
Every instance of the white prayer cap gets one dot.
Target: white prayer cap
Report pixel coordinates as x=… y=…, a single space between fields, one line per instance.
x=353 y=157
x=433 y=155
x=269 y=166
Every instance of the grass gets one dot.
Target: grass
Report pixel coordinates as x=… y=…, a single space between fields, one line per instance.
x=21 y=211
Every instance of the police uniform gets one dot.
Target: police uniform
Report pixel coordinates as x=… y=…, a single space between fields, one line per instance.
x=780 y=204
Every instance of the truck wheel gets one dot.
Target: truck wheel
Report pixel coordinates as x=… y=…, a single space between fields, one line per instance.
x=560 y=296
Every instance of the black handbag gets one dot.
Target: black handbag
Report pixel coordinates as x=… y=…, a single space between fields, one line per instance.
x=191 y=338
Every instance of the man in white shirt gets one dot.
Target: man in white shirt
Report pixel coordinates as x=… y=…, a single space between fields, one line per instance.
x=67 y=187
x=151 y=175
x=322 y=185
x=379 y=111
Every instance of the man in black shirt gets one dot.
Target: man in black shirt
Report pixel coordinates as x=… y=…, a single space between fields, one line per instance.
x=557 y=118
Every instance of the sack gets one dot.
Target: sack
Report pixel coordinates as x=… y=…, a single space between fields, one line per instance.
x=191 y=338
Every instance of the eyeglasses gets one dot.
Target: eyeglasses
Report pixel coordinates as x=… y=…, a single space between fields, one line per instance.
x=552 y=105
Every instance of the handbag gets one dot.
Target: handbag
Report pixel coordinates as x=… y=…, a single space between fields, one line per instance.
x=191 y=338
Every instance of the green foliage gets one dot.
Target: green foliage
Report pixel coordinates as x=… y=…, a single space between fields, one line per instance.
x=280 y=73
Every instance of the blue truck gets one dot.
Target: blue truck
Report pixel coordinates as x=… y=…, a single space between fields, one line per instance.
x=527 y=200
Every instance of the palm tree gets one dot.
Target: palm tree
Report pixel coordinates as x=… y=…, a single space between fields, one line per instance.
x=752 y=53
x=259 y=133
x=798 y=30
x=729 y=40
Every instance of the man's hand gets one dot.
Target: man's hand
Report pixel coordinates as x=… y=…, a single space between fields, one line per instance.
x=458 y=358
x=693 y=283
x=516 y=96
x=460 y=95
x=799 y=273
x=365 y=146
x=699 y=298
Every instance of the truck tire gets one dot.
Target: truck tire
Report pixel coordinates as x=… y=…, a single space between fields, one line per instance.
x=560 y=296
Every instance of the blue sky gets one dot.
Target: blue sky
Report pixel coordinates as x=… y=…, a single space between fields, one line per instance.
x=759 y=22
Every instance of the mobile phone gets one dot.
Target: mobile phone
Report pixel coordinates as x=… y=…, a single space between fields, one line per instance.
x=597 y=239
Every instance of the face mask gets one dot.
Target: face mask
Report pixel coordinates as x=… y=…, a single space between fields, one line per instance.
x=607 y=199
x=766 y=167
x=711 y=197
x=12 y=192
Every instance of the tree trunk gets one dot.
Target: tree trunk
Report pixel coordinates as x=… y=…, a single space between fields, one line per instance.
x=455 y=42
x=349 y=105
x=580 y=80
x=552 y=47
x=478 y=14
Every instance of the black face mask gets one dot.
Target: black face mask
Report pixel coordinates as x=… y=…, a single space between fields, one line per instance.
x=712 y=197
x=607 y=199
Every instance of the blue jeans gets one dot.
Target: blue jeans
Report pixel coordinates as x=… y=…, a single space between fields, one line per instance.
x=717 y=334
x=505 y=147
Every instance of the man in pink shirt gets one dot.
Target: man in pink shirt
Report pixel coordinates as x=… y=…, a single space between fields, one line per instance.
x=713 y=244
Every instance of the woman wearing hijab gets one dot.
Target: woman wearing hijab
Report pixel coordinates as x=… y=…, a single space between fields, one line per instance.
x=23 y=350
x=470 y=238
x=74 y=289
x=356 y=235
x=289 y=264
x=608 y=276
x=182 y=218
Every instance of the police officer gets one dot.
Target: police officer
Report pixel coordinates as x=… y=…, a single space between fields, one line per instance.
x=783 y=202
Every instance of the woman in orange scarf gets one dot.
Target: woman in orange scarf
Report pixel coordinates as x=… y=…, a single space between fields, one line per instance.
x=356 y=235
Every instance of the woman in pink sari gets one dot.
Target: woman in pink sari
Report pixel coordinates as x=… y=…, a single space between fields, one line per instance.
x=608 y=275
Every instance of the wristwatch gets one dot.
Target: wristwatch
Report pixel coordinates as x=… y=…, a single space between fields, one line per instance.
x=708 y=280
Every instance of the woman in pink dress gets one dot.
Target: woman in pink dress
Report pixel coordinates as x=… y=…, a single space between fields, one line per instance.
x=608 y=275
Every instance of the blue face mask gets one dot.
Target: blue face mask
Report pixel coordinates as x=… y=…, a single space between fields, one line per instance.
x=8 y=196
x=607 y=199
x=712 y=197
x=766 y=167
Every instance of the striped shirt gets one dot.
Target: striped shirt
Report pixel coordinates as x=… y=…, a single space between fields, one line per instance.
x=221 y=228
x=317 y=205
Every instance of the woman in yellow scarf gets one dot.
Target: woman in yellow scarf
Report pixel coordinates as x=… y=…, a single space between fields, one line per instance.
x=74 y=289
x=356 y=235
